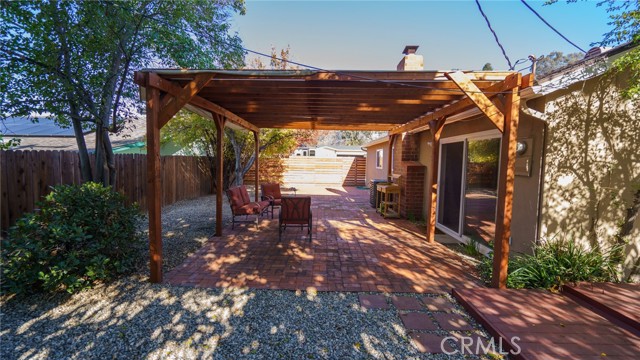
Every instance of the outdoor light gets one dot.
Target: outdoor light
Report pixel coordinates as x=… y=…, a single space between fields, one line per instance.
x=521 y=148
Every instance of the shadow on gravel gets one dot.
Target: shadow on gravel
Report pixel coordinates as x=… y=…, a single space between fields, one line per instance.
x=134 y=319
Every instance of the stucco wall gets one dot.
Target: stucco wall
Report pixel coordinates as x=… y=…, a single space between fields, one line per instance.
x=372 y=172
x=592 y=166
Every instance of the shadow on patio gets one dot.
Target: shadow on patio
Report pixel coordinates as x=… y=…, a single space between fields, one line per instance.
x=353 y=249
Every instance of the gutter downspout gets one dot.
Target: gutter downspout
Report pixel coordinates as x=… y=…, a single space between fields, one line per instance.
x=544 y=118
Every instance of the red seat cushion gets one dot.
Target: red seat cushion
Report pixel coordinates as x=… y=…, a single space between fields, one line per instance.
x=271 y=190
x=235 y=198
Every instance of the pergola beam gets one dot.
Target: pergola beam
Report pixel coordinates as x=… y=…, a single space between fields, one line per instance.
x=177 y=101
x=458 y=106
x=174 y=89
x=476 y=95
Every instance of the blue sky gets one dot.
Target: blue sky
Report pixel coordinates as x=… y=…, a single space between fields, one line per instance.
x=370 y=35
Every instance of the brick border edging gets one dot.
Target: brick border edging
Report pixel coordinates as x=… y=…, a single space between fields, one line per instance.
x=602 y=309
x=479 y=317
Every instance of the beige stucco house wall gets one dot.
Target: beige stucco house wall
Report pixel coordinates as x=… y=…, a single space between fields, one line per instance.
x=374 y=172
x=592 y=166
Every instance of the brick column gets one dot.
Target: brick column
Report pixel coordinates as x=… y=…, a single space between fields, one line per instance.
x=412 y=175
x=412 y=184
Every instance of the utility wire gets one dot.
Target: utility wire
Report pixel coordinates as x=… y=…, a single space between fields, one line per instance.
x=504 y=53
x=390 y=82
x=551 y=27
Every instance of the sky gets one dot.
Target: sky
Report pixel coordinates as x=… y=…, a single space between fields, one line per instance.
x=370 y=35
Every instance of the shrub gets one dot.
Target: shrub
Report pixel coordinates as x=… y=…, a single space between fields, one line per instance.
x=558 y=262
x=79 y=235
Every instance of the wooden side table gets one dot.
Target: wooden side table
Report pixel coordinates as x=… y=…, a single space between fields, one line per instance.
x=390 y=203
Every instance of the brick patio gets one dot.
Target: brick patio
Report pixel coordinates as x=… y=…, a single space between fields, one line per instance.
x=353 y=249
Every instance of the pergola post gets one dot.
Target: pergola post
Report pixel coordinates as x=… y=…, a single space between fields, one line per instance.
x=219 y=120
x=154 y=189
x=435 y=127
x=256 y=138
x=505 y=189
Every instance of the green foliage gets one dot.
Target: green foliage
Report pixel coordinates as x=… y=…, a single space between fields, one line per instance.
x=555 y=60
x=484 y=151
x=6 y=144
x=487 y=67
x=195 y=132
x=80 y=235
x=471 y=249
x=558 y=262
x=625 y=22
x=75 y=59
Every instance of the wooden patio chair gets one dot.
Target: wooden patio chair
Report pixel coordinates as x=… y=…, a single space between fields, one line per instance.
x=271 y=193
x=241 y=205
x=295 y=211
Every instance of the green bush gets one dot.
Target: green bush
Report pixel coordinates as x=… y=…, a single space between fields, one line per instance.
x=79 y=235
x=558 y=262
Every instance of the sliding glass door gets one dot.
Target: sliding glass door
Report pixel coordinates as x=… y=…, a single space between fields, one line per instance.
x=467 y=186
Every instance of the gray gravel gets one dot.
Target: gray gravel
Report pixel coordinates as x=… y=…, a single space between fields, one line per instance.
x=132 y=319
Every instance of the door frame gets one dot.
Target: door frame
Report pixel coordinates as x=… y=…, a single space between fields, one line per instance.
x=480 y=135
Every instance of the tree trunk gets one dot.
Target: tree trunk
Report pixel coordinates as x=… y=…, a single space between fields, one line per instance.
x=83 y=153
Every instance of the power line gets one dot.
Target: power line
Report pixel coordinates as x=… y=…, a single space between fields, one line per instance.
x=390 y=82
x=504 y=53
x=551 y=27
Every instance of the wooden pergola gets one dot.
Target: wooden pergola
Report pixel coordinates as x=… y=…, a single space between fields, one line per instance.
x=393 y=101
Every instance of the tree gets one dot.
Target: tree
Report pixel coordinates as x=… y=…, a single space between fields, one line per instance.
x=487 y=67
x=75 y=59
x=555 y=60
x=200 y=135
x=625 y=22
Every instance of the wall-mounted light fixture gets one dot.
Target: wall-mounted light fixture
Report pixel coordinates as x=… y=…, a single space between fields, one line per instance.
x=521 y=148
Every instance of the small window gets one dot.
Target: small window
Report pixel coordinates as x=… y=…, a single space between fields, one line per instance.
x=304 y=153
x=379 y=159
x=312 y=153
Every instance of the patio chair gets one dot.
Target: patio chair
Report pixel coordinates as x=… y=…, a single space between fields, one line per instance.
x=295 y=211
x=271 y=193
x=241 y=205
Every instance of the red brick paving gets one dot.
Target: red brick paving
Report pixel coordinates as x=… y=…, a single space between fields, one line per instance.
x=550 y=326
x=373 y=301
x=430 y=343
x=353 y=249
x=417 y=321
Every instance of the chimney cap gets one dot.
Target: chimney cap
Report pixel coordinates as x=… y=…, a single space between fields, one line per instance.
x=410 y=49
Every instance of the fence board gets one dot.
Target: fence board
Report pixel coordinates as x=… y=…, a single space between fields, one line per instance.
x=341 y=171
x=26 y=176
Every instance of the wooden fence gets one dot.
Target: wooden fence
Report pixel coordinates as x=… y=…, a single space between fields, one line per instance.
x=340 y=171
x=27 y=175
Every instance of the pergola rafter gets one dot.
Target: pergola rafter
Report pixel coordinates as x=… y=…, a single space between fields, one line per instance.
x=397 y=102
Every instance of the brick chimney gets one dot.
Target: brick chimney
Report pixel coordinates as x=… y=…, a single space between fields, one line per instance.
x=411 y=61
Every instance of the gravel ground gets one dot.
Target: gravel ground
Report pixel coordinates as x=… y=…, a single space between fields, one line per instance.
x=186 y=226
x=132 y=319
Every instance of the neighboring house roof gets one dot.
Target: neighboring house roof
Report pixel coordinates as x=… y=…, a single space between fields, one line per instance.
x=595 y=63
x=342 y=148
x=377 y=141
x=47 y=135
